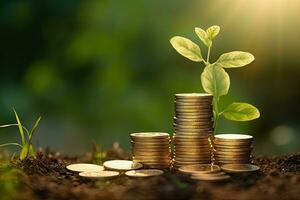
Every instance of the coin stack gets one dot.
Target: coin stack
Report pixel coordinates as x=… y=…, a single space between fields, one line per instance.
x=232 y=148
x=193 y=125
x=151 y=149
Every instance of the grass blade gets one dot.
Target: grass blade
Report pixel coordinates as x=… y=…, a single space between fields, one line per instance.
x=11 y=144
x=34 y=127
x=20 y=128
x=8 y=125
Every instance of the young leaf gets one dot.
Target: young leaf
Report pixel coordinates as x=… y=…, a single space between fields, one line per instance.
x=20 y=128
x=241 y=112
x=24 y=152
x=11 y=144
x=235 y=59
x=34 y=127
x=213 y=31
x=203 y=36
x=215 y=80
x=186 y=48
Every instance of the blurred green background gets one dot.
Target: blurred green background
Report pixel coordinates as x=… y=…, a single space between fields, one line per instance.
x=101 y=69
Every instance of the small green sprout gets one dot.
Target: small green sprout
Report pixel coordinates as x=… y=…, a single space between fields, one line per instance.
x=26 y=137
x=98 y=156
x=215 y=80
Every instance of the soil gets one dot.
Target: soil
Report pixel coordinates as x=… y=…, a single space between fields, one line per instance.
x=47 y=178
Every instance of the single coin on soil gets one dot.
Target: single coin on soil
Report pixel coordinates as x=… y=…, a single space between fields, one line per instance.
x=238 y=168
x=144 y=173
x=99 y=175
x=122 y=165
x=81 y=167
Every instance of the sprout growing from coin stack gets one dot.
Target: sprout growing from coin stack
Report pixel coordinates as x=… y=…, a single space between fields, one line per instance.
x=215 y=80
x=232 y=148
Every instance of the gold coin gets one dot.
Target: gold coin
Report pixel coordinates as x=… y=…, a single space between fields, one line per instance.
x=99 y=174
x=199 y=127
x=122 y=165
x=150 y=151
x=177 y=163
x=234 y=159
x=235 y=147
x=149 y=135
x=149 y=139
x=144 y=173
x=236 y=143
x=218 y=154
x=193 y=95
x=222 y=162
x=166 y=154
x=192 y=160
x=200 y=168
x=155 y=146
x=233 y=150
x=212 y=178
x=233 y=137
x=238 y=168
x=81 y=167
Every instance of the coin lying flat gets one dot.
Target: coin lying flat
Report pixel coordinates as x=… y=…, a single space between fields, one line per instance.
x=144 y=173
x=81 y=167
x=149 y=135
x=122 y=165
x=99 y=174
x=212 y=178
x=233 y=137
x=200 y=168
x=238 y=168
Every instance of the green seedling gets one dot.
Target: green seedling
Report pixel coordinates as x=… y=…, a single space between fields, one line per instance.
x=98 y=156
x=215 y=80
x=26 y=137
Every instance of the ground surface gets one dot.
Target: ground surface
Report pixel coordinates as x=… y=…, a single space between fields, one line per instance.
x=46 y=178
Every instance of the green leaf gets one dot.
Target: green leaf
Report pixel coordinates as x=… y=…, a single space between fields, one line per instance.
x=241 y=112
x=20 y=127
x=186 y=48
x=34 y=127
x=11 y=144
x=32 y=151
x=213 y=31
x=235 y=59
x=203 y=36
x=24 y=152
x=215 y=80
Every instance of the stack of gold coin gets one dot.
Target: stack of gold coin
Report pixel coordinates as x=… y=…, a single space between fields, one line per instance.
x=193 y=125
x=151 y=149
x=232 y=148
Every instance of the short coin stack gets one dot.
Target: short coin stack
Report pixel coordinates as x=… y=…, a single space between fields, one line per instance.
x=232 y=148
x=151 y=149
x=193 y=125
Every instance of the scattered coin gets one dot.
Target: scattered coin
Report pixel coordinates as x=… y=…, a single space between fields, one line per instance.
x=122 y=165
x=99 y=174
x=144 y=173
x=81 y=167
x=238 y=168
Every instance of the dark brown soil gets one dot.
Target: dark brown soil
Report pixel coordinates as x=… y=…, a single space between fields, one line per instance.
x=48 y=178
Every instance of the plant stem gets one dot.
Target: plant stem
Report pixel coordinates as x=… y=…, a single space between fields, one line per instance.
x=208 y=53
x=216 y=113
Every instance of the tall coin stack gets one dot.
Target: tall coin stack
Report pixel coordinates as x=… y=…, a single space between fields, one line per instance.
x=232 y=148
x=193 y=125
x=151 y=149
